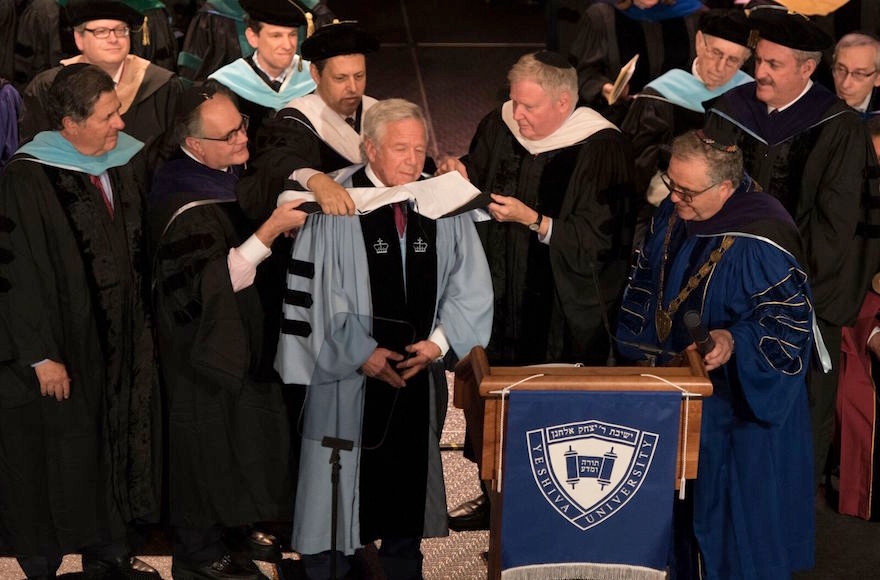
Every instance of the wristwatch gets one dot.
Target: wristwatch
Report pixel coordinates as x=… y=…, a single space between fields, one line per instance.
x=537 y=225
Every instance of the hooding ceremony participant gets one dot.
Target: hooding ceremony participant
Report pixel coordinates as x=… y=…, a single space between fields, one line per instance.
x=374 y=302
x=228 y=428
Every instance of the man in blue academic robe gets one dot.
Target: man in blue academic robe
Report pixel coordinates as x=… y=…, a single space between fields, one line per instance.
x=719 y=247
x=373 y=304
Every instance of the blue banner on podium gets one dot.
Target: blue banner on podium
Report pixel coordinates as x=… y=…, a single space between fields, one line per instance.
x=588 y=484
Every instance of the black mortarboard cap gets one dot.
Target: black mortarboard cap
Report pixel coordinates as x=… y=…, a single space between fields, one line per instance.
x=732 y=25
x=782 y=26
x=82 y=11
x=553 y=59
x=338 y=38
x=287 y=13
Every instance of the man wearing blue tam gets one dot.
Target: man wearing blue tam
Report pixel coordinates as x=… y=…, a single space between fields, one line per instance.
x=274 y=74
x=77 y=407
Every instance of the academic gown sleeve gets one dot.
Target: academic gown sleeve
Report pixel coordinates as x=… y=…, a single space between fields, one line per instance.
x=595 y=52
x=465 y=305
x=284 y=144
x=26 y=270
x=828 y=214
x=197 y=306
x=649 y=125
x=772 y=331
x=327 y=311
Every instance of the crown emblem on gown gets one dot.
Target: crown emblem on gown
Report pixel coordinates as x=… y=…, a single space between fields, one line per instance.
x=381 y=246
x=420 y=246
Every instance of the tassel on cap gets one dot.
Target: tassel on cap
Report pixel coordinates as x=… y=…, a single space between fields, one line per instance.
x=145 y=31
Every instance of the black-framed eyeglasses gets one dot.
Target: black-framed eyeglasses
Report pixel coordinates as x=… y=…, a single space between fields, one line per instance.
x=686 y=195
x=715 y=55
x=102 y=33
x=230 y=137
x=841 y=72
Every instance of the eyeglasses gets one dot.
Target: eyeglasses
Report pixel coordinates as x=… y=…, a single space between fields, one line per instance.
x=102 y=33
x=686 y=195
x=230 y=137
x=841 y=72
x=715 y=55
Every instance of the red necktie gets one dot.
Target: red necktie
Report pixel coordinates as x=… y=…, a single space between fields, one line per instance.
x=400 y=217
x=96 y=181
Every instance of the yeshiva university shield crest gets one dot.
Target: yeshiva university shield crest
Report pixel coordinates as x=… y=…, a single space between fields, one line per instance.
x=587 y=471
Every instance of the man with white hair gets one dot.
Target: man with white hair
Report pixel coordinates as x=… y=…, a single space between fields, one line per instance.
x=374 y=302
x=672 y=104
x=559 y=244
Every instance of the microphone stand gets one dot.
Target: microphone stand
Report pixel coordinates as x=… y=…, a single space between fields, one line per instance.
x=336 y=445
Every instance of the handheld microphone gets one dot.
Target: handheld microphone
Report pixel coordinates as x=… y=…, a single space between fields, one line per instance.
x=699 y=332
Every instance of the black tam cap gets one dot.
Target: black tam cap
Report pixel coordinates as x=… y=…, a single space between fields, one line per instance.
x=730 y=25
x=82 y=11
x=338 y=38
x=553 y=59
x=68 y=71
x=783 y=26
x=287 y=13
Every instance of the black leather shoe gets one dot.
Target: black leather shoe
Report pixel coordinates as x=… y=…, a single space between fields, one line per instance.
x=471 y=515
x=223 y=568
x=122 y=568
x=262 y=547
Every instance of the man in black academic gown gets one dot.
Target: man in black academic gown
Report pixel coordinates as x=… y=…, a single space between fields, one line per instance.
x=560 y=242
x=856 y=72
x=273 y=75
x=807 y=148
x=672 y=104
x=317 y=133
x=102 y=30
x=216 y=35
x=227 y=424
x=78 y=424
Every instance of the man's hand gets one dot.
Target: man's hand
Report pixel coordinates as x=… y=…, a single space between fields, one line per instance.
x=423 y=353
x=721 y=353
x=608 y=88
x=332 y=197
x=451 y=164
x=54 y=381
x=285 y=218
x=378 y=367
x=509 y=209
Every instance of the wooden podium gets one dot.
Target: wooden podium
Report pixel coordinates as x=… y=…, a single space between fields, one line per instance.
x=477 y=392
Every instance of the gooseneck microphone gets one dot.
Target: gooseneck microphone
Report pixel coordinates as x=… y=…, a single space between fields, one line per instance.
x=699 y=332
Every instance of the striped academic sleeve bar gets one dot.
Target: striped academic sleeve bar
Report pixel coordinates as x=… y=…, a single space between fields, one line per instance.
x=296 y=327
x=298 y=298
x=302 y=268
